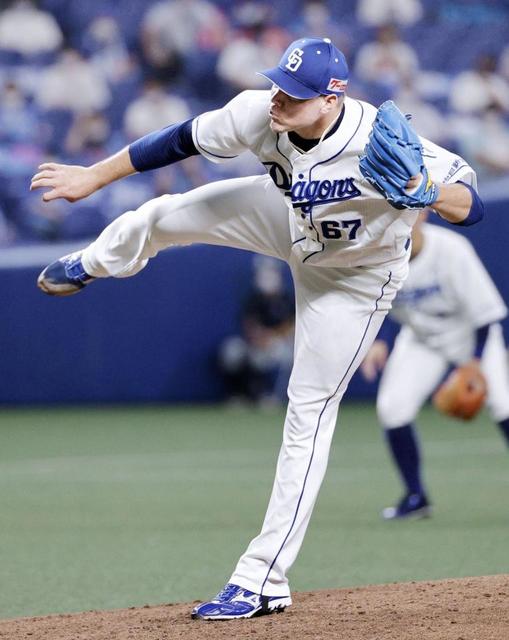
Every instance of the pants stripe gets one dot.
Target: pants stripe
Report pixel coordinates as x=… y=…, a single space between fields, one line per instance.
x=318 y=428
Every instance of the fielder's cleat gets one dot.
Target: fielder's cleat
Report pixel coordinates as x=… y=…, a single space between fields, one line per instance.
x=64 y=277
x=413 y=505
x=235 y=602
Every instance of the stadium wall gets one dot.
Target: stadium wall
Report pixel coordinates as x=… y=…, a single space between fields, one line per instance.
x=151 y=338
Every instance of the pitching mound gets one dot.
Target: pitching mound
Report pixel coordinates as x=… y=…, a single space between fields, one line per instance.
x=466 y=609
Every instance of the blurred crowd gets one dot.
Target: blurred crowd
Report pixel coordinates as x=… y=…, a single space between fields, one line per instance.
x=80 y=80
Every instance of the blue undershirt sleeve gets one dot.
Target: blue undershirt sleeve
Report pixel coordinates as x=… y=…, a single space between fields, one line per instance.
x=164 y=147
x=481 y=335
x=476 y=213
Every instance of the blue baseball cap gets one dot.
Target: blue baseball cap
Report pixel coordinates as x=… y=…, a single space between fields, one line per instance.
x=310 y=67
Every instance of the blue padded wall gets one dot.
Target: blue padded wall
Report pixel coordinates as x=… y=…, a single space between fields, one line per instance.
x=148 y=338
x=152 y=338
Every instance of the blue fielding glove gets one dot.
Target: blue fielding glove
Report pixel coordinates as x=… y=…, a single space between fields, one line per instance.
x=392 y=156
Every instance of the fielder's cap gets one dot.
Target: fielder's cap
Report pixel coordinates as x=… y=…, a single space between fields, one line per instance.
x=310 y=67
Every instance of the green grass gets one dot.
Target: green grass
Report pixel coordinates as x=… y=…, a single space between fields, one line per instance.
x=105 y=508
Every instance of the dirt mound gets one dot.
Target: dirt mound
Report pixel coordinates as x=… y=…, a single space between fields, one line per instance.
x=464 y=609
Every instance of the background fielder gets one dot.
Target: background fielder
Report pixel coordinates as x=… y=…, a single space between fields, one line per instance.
x=346 y=245
x=449 y=309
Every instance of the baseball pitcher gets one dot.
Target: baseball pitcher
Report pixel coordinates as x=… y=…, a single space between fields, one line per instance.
x=343 y=188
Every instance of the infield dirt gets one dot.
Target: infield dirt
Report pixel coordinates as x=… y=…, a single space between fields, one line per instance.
x=463 y=609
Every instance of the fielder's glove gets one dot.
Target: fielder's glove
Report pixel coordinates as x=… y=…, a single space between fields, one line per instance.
x=463 y=393
x=392 y=156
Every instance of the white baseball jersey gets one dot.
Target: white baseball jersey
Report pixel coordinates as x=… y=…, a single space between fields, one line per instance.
x=335 y=214
x=447 y=295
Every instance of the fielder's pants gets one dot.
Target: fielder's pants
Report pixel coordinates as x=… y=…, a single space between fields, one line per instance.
x=338 y=314
x=414 y=370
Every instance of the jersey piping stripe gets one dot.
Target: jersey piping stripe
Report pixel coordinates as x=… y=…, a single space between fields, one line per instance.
x=323 y=162
x=281 y=153
x=314 y=253
x=318 y=429
x=299 y=240
x=205 y=150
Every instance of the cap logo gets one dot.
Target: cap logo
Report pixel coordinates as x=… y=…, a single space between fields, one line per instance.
x=336 y=85
x=294 y=59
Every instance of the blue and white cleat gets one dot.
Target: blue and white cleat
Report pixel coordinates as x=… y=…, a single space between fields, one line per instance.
x=411 y=506
x=64 y=277
x=235 y=602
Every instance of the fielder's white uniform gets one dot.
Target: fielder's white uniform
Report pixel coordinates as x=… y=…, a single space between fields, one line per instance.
x=348 y=252
x=447 y=296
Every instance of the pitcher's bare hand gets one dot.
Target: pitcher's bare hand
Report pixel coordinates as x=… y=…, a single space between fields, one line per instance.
x=70 y=182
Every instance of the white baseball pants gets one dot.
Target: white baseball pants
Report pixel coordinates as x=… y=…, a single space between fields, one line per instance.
x=413 y=372
x=338 y=314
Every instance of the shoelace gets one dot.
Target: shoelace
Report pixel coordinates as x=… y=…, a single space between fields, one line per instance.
x=227 y=592
x=74 y=270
